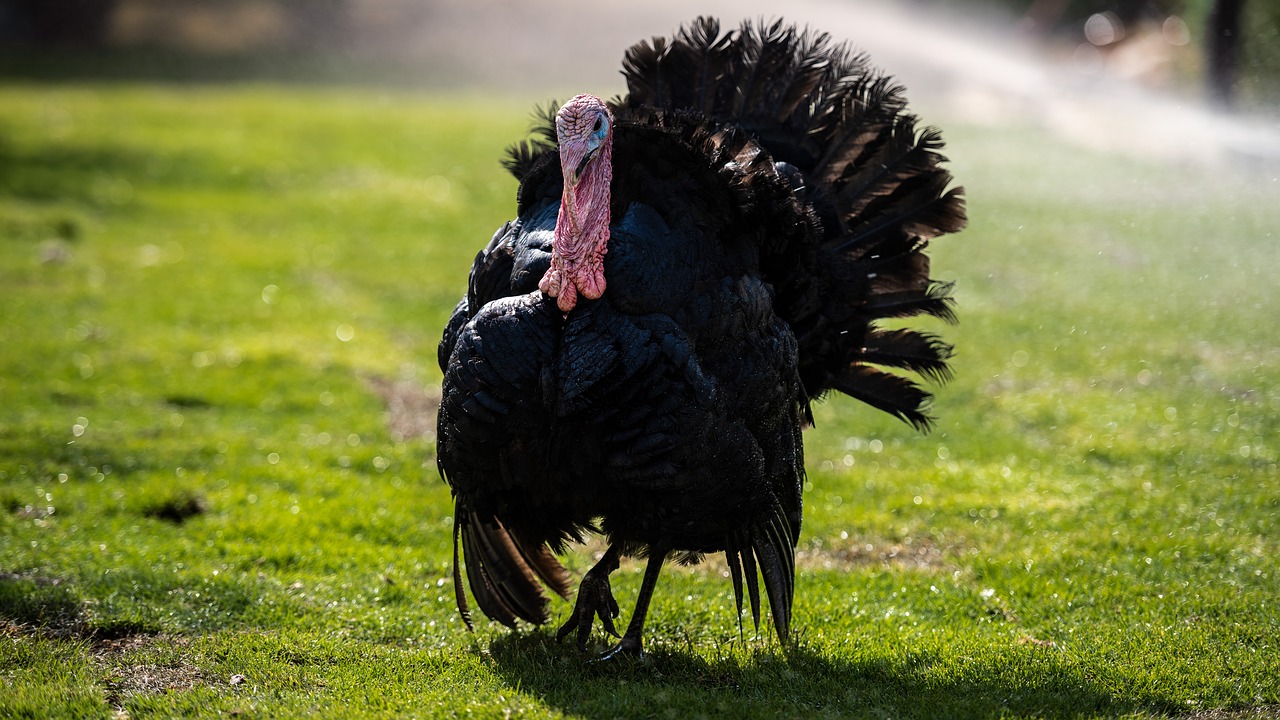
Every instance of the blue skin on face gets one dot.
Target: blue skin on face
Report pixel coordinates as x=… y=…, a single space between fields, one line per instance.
x=600 y=129
x=594 y=141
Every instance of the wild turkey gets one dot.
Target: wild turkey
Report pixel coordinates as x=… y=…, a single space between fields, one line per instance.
x=691 y=266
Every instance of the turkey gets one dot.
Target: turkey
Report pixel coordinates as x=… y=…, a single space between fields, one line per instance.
x=691 y=266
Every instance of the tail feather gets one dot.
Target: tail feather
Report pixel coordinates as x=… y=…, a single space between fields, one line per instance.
x=920 y=215
x=769 y=547
x=891 y=393
x=543 y=562
x=766 y=57
x=894 y=155
x=860 y=109
x=705 y=52
x=922 y=353
x=790 y=83
x=934 y=300
x=640 y=64
x=753 y=584
x=733 y=556
x=504 y=584
x=459 y=594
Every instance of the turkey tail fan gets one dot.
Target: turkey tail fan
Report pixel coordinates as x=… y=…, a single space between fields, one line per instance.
x=686 y=72
x=801 y=96
x=838 y=132
x=769 y=546
x=757 y=77
x=503 y=582
x=785 y=69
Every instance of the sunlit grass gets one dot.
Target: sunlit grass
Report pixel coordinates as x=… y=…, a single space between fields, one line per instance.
x=204 y=510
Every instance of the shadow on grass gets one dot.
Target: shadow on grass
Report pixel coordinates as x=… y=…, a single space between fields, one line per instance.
x=801 y=683
x=102 y=175
x=37 y=601
x=49 y=605
x=86 y=174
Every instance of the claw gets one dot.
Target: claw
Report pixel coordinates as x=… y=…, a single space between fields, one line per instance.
x=606 y=619
x=595 y=600
x=627 y=650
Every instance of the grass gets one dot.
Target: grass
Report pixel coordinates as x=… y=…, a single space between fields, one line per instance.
x=219 y=302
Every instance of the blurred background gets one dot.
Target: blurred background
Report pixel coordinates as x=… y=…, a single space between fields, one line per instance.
x=1148 y=76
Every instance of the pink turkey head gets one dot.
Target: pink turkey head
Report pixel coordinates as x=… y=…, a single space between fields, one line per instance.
x=584 y=129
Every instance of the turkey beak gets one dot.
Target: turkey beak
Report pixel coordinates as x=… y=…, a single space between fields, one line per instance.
x=582 y=166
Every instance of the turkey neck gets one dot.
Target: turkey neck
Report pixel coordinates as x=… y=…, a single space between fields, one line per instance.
x=582 y=230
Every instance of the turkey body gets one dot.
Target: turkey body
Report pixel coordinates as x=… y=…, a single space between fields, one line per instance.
x=760 y=226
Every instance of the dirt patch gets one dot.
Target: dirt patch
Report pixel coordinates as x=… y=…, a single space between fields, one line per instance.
x=32 y=512
x=1037 y=642
x=411 y=408
x=178 y=508
x=122 y=679
x=126 y=680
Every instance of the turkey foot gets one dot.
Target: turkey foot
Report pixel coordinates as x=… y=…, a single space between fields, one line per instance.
x=628 y=649
x=631 y=646
x=595 y=599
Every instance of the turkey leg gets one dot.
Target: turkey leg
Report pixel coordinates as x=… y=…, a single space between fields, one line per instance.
x=595 y=599
x=631 y=641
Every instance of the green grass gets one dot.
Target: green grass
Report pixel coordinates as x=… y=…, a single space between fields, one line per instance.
x=204 y=509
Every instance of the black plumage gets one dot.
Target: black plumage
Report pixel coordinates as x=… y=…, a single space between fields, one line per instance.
x=771 y=203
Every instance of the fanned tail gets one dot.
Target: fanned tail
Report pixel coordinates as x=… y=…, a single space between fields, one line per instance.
x=838 y=131
x=769 y=546
x=503 y=572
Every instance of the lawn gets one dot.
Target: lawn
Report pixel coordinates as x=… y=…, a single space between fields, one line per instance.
x=218 y=492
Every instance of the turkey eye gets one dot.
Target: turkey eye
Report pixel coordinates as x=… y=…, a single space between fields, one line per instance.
x=598 y=125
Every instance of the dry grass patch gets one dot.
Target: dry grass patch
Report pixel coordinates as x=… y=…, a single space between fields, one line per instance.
x=411 y=407
x=916 y=554
x=123 y=678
